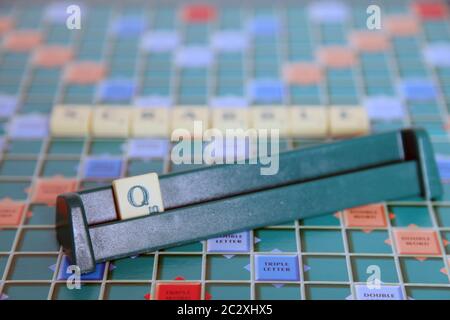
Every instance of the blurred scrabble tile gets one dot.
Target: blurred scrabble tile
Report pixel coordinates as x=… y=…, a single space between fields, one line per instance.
x=10 y=212
x=369 y=41
x=47 y=189
x=401 y=25
x=302 y=73
x=70 y=121
x=116 y=90
x=348 y=121
x=417 y=241
x=102 y=168
x=199 y=13
x=52 y=56
x=431 y=10
x=337 y=57
x=369 y=216
x=183 y=117
x=6 y=24
x=111 y=122
x=269 y=117
x=84 y=72
x=22 y=40
x=308 y=122
x=178 y=291
x=138 y=196
x=29 y=126
x=150 y=122
x=230 y=118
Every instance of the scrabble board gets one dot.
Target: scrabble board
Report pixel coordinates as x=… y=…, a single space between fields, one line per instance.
x=317 y=55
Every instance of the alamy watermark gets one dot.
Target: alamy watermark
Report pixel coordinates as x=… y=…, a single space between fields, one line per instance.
x=234 y=146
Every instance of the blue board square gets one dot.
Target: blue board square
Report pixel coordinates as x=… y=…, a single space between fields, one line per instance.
x=229 y=41
x=29 y=126
x=116 y=90
x=102 y=168
x=237 y=242
x=64 y=274
x=148 y=148
x=153 y=101
x=8 y=105
x=194 y=57
x=443 y=163
x=266 y=91
x=418 y=89
x=383 y=292
x=160 y=41
x=264 y=26
x=328 y=11
x=438 y=54
x=276 y=268
x=129 y=26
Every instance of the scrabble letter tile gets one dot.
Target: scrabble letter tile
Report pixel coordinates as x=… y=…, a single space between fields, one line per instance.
x=150 y=122
x=270 y=118
x=230 y=118
x=308 y=122
x=183 y=117
x=70 y=121
x=348 y=121
x=138 y=196
x=111 y=122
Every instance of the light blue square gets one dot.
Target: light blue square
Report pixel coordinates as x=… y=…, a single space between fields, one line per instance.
x=276 y=268
x=63 y=274
x=102 y=168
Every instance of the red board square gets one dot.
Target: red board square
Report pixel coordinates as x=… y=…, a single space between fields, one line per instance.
x=46 y=190
x=178 y=291
x=84 y=72
x=23 y=40
x=199 y=13
x=417 y=241
x=431 y=10
x=369 y=216
x=10 y=212
x=302 y=73
x=52 y=56
x=6 y=24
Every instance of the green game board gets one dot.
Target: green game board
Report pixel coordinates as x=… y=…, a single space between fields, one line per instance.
x=332 y=256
